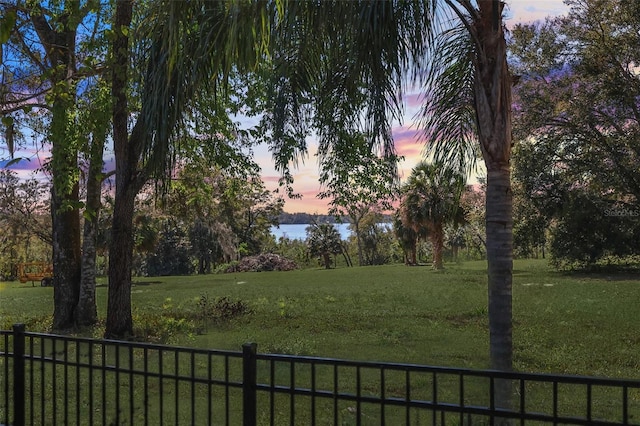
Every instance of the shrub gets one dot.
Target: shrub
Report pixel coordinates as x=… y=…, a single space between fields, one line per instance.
x=262 y=262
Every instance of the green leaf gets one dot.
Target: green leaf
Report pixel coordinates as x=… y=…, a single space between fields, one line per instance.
x=7 y=121
x=6 y=25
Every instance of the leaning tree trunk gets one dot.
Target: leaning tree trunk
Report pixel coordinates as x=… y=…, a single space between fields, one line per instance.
x=493 y=107
x=86 y=312
x=437 y=241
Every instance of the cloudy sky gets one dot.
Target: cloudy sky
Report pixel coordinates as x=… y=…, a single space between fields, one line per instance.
x=406 y=137
x=408 y=143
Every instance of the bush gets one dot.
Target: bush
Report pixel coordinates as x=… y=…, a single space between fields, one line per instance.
x=261 y=262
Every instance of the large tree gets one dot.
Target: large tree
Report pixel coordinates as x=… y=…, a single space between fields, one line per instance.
x=185 y=49
x=357 y=182
x=578 y=116
x=50 y=50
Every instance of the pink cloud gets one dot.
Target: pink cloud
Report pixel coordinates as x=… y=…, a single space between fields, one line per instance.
x=414 y=100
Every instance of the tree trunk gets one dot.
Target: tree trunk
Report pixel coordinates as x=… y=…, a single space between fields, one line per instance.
x=65 y=218
x=86 y=312
x=119 y=319
x=500 y=268
x=356 y=224
x=493 y=109
x=437 y=241
x=59 y=43
x=327 y=260
x=66 y=259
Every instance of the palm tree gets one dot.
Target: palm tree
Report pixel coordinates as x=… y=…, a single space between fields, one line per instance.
x=324 y=240
x=334 y=55
x=408 y=239
x=468 y=105
x=431 y=201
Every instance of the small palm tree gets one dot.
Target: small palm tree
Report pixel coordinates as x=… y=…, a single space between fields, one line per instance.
x=432 y=200
x=324 y=240
x=408 y=239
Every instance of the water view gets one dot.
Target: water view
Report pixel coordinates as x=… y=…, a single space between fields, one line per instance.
x=298 y=231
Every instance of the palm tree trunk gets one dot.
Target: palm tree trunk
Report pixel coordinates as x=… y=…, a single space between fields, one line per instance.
x=326 y=260
x=437 y=241
x=500 y=269
x=493 y=108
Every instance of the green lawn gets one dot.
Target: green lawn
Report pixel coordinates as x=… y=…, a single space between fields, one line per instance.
x=576 y=324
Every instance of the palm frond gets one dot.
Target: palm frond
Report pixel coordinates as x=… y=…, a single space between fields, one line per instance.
x=192 y=48
x=348 y=61
x=447 y=118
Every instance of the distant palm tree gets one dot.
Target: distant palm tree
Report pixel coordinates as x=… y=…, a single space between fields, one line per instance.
x=324 y=241
x=408 y=239
x=431 y=200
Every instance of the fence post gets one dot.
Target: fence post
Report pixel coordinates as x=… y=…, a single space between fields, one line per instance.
x=249 y=384
x=18 y=374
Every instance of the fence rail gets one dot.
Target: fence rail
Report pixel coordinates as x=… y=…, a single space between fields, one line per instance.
x=51 y=379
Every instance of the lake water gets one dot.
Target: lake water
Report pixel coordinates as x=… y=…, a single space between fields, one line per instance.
x=298 y=231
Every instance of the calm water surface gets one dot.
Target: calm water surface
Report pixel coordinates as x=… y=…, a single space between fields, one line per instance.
x=298 y=231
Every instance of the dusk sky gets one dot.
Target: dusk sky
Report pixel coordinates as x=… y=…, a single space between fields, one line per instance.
x=306 y=176
x=408 y=143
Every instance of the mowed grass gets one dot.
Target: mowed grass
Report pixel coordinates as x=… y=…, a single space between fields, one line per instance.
x=563 y=323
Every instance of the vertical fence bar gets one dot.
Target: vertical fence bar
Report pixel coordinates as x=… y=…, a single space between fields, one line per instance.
x=42 y=377
x=407 y=390
x=313 y=394
x=7 y=399
x=461 y=390
x=103 y=354
x=32 y=409
x=227 y=409
x=383 y=396
x=292 y=390
x=176 y=370
x=131 y=386
x=434 y=413
x=90 y=369
x=272 y=392
x=625 y=407
x=161 y=386
x=18 y=374
x=145 y=368
x=193 y=387
x=65 y=375
x=249 y=384
x=209 y=388
x=335 y=394
x=78 y=375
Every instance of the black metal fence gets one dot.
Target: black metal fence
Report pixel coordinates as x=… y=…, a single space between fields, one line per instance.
x=49 y=379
